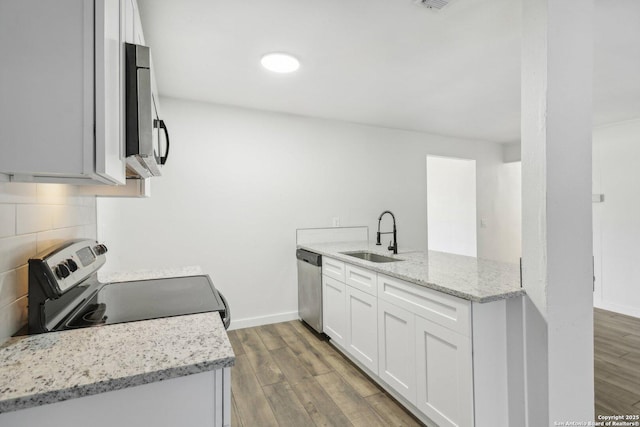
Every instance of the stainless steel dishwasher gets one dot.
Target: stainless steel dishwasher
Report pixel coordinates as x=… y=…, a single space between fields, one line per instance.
x=310 y=288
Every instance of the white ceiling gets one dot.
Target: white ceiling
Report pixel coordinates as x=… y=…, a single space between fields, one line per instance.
x=389 y=63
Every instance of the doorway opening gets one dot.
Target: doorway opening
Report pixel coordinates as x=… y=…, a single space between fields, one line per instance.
x=451 y=205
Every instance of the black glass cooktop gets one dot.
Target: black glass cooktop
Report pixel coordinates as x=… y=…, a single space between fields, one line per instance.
x=144 y=300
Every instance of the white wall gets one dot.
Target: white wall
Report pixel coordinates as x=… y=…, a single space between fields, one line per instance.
x=239 y=182
x=616 y=222
x=451 y=205
x=34 y=217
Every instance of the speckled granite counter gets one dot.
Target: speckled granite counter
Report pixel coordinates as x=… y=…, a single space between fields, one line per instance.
x=129 y=276
x=57 y=366
x=473 y=279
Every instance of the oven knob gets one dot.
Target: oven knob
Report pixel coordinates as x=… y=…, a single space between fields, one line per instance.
x=100 y=249
x=62 y=271
x=72 y=265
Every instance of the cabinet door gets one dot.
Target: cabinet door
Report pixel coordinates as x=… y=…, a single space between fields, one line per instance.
x=444 y=374
x=138 y=35
x=396 y=343
x=362 y=331
x=129 y=21
x=109 y=91
x=333 y=309
x=60 y=86
x=46 y=87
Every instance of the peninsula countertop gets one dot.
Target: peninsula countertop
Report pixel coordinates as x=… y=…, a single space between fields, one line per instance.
x=57 y=366
x=474 y=279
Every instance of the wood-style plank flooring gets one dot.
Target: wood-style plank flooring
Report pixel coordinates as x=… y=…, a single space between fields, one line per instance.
x=286 y=376
x=617 y=363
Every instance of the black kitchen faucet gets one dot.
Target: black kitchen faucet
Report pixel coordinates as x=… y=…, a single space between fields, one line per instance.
x=392 y=247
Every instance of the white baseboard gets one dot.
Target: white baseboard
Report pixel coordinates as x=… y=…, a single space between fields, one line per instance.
x=618 y=308
x=262 y=320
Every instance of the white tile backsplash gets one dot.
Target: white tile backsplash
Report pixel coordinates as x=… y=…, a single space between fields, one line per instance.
x=22 y=275
x=13 y=317
x=54 y=194
x=48 y=239
x=7 y=220
x=15 y=251
x=12 y=192
x=70 y=216
x=33 y=218
x=8 y=287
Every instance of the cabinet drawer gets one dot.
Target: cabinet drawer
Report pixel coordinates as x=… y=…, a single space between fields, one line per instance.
x=446 y=310
x=333 y=268
x=362 y=279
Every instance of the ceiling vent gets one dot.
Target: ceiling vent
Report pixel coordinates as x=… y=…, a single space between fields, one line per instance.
x=433 y=4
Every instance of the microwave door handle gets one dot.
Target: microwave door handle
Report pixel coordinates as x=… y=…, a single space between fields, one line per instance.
x=161 y=125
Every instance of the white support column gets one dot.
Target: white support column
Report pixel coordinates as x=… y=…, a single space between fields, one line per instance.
x=556 y=195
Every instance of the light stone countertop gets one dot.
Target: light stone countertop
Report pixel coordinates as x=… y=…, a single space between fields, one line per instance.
x=470 y=278
x=57 y=366
x=129 y=276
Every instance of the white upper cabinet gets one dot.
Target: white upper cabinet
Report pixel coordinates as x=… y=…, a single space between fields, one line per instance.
x=109 y=84
x=61 y=80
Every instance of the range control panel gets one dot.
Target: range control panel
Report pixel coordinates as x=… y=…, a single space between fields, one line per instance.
x=73 y=263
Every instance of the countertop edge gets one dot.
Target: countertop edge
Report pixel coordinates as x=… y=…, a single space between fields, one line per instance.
x=61 y=395
x=453 y=292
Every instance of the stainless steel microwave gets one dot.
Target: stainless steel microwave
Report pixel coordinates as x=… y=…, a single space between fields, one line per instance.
x=143 y=126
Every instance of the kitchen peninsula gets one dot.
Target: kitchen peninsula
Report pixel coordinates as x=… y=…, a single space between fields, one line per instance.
x=431 y=327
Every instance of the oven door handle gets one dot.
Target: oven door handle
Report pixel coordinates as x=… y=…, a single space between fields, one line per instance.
x=226 y=315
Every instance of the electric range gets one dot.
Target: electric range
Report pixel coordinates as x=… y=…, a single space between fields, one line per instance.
x=65 y=293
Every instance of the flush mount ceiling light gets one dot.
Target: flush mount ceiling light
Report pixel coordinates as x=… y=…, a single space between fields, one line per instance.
x=279 y=62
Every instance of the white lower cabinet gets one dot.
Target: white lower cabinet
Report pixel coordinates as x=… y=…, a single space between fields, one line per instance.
x=334 y=309
x=444 y=374
x=198 y=400
x=362 y=331
x=430 y=350
x=396 y=349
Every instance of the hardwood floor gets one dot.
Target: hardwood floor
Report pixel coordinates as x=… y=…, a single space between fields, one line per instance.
x=286 y=376
x=617 y=363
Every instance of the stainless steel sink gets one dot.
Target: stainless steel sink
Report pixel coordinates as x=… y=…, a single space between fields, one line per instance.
x=370 y=256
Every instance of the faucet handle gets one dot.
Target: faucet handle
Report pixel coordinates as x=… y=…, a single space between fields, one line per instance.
x=391 y=247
